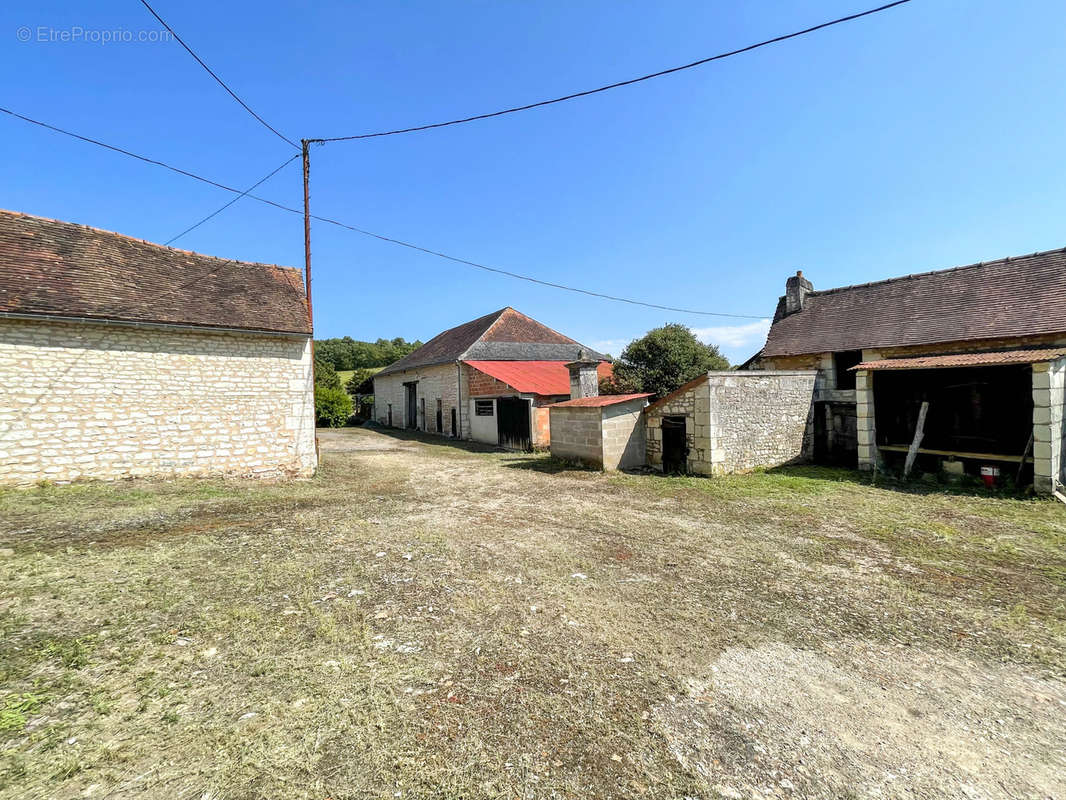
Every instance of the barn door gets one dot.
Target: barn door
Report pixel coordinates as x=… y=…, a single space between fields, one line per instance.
x=512 y=421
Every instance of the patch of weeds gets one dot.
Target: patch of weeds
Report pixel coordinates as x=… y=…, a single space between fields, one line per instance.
x=72 y=653
x=17 y=708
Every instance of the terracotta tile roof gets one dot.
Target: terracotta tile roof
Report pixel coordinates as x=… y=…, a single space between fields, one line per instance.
x=599 y=401
x=504 y=335
x=533 y=377
x=967 y=359
x=67 y=270
x=1021 y=296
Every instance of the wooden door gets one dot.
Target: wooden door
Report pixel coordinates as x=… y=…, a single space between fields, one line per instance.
x=512 y=422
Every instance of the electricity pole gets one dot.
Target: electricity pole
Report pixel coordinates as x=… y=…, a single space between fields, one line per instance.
x=304 y=146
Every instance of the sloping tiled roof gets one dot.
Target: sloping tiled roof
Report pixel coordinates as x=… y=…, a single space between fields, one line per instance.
x=504 y=335
x=1031 y=356
x=1021 y=296
x=534 y=377
x=599 y=401
x=48 y=267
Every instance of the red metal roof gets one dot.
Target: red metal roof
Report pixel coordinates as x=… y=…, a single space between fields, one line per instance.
x=599 y=401
x=533 y=377
x=966 y=359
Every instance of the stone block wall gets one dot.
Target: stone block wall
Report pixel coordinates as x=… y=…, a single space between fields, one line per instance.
x=864 y=416
x=623 y=435
x=439 y=381
x=740 y=420
x=576 y=435
x=758 y=419
x=1049 y=383
x=92 y=400
x=682 y=404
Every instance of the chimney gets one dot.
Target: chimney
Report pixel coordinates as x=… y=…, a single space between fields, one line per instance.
x=584 y=377
x=796 y=291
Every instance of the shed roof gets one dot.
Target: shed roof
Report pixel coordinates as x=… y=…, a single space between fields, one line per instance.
x=61 y=269
x=534 y=377
x=600 y=401
x=504 y=335
x=1019 y=296
x=1032 y=356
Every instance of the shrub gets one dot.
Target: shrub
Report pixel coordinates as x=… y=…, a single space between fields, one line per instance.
x=333 y=406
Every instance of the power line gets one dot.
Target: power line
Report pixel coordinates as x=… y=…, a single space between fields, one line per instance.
x=389 y=239
x=220 y=82
x=234 y=200
x=619 y=84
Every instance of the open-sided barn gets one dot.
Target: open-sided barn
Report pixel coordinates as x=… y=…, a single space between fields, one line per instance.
x=981 y=348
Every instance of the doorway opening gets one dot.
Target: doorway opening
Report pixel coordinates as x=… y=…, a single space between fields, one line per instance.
x=411 y=395
x=675 y=445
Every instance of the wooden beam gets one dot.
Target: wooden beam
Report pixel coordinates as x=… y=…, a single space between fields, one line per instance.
x=902 y=448
x=919 y=434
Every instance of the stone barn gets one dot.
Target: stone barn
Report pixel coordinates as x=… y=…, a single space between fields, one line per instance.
x=981 y=348
x=123 y=358
x=732 y=421
x=490 y=380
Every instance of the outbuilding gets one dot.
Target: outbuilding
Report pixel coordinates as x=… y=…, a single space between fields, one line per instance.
x=966 y=367
x=732 y=421
x=120 y=358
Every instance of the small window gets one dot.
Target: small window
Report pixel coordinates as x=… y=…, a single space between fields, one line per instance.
x=483 y=408
x=842 y=364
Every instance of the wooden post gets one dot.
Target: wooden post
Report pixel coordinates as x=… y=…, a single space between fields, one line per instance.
x=919 y=434
x=307 y=268
x=1021 y=464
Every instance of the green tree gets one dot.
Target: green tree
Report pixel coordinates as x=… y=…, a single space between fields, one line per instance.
x=361 y=381
x=326 y=375
x=333 y=406
x=662 y=360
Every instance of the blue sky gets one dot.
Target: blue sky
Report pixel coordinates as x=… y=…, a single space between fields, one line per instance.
x=925 y=137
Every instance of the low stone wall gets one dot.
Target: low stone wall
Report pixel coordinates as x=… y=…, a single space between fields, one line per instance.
x=576 y=435
x=88 y=400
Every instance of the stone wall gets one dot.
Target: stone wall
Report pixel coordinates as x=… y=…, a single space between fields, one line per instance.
x=692 y=403
x=92 y=400
x=576 y=434
x=759 y=419
x=740 y=420
x=623 y=435
x=1049 y=382
x=440 y=381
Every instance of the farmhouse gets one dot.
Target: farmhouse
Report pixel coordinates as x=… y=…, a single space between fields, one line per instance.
x=488 y=380
x=982 y=348
x=119 y=357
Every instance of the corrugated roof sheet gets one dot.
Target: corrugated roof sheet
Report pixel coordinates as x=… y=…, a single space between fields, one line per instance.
x=504 y=335
x=599 y=401
x=966 y=359
x=68 y=270
x=1020 y=296
x=533 y=377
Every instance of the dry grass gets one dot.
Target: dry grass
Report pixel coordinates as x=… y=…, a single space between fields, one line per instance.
x=422 y=620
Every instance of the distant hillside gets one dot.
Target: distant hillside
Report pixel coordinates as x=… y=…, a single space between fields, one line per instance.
x=347 y=354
